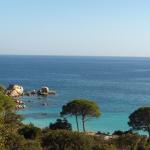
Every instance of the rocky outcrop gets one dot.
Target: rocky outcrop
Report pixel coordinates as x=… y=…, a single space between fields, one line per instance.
x=44 y=91
x=20 y=104
x=15 y=90
x=33 y=92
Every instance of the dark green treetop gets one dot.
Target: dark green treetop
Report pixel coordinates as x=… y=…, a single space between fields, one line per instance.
x=81 y=107
x=140 y=119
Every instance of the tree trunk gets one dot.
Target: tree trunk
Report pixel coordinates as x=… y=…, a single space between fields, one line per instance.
x=83 y=123
x=77 y=123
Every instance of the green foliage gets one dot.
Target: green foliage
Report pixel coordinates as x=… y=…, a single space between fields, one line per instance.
x=131 y=142
x=18 y=142
x=140 y=119
x=14 y=142
x=62 y=124
x=32 y=145
x=122 y=132
x=6 y=104
x=30 y=131
x=7 y=108
x=66 y=140
x=71 y=108
x=101 y=144
x=12 y=121
x=2 y=89
x=16 y=136
x=9 y=120
x=104 y=147
x=81 y=107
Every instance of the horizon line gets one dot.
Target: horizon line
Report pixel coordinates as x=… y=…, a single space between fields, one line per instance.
x=61 y=55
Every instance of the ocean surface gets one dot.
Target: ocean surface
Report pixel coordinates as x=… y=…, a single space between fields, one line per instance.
x=118 y=84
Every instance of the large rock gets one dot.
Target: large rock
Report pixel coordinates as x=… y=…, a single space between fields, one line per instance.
x=15 y=90
x=44 y=91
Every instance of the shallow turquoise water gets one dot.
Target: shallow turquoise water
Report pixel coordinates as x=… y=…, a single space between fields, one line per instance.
x=119 y=86
x=106 y=123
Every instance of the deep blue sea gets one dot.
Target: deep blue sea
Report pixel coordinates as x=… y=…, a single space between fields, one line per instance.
x=118 y=84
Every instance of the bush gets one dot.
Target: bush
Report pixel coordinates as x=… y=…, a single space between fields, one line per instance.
x=66 y=140
x=18 y=142
x=104 y=147
x=30 y=131
x=118 y=132
x=32 y=145
x=2 y=89
x=61 y=124
x=14 y=142
x=129 y=141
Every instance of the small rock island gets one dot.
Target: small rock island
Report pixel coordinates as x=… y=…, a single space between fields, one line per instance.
x=16 y=91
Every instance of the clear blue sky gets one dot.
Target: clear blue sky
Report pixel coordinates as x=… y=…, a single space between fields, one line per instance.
x=75 y=27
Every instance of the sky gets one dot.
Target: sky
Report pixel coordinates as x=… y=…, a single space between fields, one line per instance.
x=75 y=27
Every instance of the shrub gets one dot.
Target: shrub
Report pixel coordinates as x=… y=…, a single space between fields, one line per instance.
x=118 y=132
x=14 y=142
x=104 y=147
x=30 y=131
x=127 y=141
x=32 y=145
x=61 y=124
x=2 y=89
x=66 y=140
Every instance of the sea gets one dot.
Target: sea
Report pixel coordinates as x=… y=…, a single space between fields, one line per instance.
x=119 y=85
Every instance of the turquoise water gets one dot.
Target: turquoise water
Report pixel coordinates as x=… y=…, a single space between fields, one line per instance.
x=119 y=86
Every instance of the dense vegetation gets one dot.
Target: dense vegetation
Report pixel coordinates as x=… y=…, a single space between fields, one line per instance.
x=140 y=119
x=59 y=135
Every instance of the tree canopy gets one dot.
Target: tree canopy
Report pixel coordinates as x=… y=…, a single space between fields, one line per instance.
x=81 y=107
x=140 y=119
